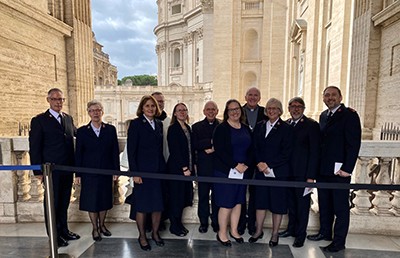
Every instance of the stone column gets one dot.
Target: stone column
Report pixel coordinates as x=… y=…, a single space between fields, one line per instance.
x=361 y=201
x=381 y=201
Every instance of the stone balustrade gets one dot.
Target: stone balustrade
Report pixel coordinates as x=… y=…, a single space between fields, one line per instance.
x=374 y=212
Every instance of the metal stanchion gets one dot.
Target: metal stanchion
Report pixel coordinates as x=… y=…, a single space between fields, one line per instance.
x=51 y=220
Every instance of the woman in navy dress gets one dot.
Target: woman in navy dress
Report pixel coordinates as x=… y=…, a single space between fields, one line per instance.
x=145 y=155
x=180 y=162
x=96 y=147
x=273 y=142
x=233 y=149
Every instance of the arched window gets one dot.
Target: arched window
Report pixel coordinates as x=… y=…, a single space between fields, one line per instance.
x=250 y=80
x=251 y=48
x=177 y=57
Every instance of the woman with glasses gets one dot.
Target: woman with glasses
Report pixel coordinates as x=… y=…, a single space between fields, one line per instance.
x=145 y=155
x=232 y=155
x=180 y=162
x=96 y=147
x=273 y=141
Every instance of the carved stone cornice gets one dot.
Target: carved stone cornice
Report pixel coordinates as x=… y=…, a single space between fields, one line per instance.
x=199 y=32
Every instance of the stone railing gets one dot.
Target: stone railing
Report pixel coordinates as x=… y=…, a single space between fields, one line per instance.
x=375 y=212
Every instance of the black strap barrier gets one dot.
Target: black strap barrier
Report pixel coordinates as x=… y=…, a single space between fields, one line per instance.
x=384 y=187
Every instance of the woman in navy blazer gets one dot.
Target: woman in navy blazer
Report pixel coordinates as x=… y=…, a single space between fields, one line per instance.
x=145 y=155
x=180 y=162
x=273 y=141
x=96 y=147
x=233 y=149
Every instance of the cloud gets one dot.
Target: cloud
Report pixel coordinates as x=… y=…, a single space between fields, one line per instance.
x=125 y=29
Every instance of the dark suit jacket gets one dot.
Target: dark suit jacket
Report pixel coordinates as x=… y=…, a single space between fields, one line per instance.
x=223 y=154
x=145 y=146
x=341 y=140
x=202 y=140
x=178 y=149
x=50 y=142
x=97 y=152
x=306 y=149
x=276 y=149
x=260 y=114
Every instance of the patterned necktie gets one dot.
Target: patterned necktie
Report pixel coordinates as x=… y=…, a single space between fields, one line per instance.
x=293 y=123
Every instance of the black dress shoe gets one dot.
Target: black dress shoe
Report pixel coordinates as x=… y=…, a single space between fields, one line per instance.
x=298 y=243
x=144 y=247
x=61 y=242
x=241 y=230
x=178 y=233
x=105 y=231
x=238 y=240
x=285 y=233
x=159 y=241
x=185 y=230
x=333 y=248
x=255 y=239
x=319 y=237
x=96 y=235
x=203 y=228
x=226 y=243
x=71 y=236
x=273 y=243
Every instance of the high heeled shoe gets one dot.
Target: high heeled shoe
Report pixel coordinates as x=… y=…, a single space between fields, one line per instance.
x=105 y=232
x=159 y=242
x=98 y=237
x=273 y=243
x=144 y=247
x=224 y=243
x=237 y=239
x=255 y=239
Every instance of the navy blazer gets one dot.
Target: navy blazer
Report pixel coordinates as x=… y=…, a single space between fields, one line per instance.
x=50 y=142
x=340 y=140
x=276 y=148
x=306 y=149
x=145 y=146
x=97 y=152
x=178 y=149
x=223 y=154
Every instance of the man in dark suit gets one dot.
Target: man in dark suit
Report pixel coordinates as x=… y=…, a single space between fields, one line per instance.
x=51 y=140
x=340 y=143
x=202 y=143
x=304 y=166
x=254 y=113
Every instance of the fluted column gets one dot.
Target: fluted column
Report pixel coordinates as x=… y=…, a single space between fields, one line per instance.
x=23 y=179
x=361 y=201
x=381 y=201
x=396 y=194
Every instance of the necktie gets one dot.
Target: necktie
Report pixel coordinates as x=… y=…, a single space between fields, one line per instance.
x=293 y=123
x=330 y=114
x=60 y=119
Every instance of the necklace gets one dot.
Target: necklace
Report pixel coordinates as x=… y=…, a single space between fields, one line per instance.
x=234 y=125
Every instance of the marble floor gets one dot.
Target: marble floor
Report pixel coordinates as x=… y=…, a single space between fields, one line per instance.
x=29 y=240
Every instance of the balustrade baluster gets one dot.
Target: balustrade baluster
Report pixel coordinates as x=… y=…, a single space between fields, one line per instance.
x=361 y=201
x=381 y=200
x=396 y=194
x=23 y=179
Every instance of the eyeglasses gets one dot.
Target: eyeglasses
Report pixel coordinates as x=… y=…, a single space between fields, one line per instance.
x=295 y=107
x=95 y=110
x=181 y=110
x=57 y=99
x=234 y=109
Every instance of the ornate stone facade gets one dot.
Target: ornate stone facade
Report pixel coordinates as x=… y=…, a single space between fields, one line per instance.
x=286 y=48
x=104 y=72
x=43 y=44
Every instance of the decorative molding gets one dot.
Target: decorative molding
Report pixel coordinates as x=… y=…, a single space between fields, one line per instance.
x=207 y=5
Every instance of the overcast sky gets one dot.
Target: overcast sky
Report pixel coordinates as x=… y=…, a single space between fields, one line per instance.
x=125 y=29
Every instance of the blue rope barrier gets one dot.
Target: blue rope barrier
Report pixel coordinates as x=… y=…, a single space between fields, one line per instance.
x=21 y=167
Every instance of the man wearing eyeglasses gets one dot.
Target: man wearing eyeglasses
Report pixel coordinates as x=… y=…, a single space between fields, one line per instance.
x=51 y=140
x=304 y=168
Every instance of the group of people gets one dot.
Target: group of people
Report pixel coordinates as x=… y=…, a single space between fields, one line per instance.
x=251 y=142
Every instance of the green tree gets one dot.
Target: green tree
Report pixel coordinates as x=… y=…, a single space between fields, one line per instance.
x=141 y=80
